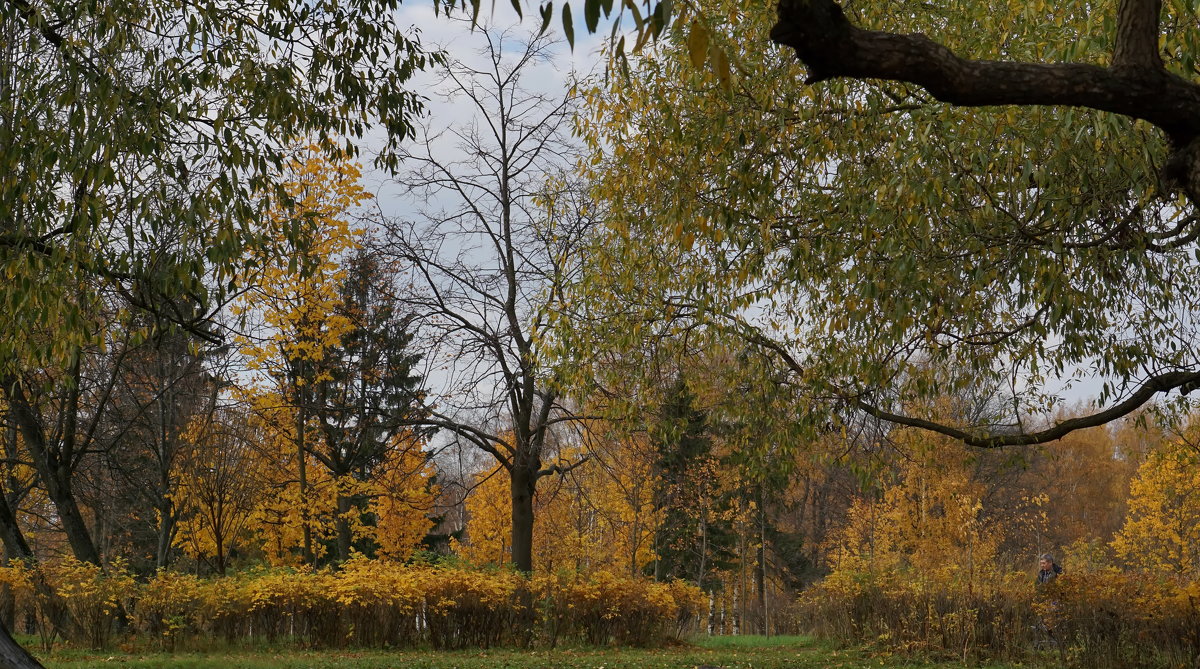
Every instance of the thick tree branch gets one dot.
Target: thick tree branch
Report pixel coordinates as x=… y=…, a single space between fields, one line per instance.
x=1136 y=45
x=1185 y=382
x=1162 y=383
x=831 y=47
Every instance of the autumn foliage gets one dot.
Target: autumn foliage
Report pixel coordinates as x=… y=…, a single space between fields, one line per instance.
x=925 y=565
x=368 y=603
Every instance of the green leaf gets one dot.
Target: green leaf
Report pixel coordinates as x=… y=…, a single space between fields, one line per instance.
x=568 y=26
x=547 y=12
x=591 y=14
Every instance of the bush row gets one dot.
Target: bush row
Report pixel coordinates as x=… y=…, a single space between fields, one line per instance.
x=366 y=603
x=1096 y=618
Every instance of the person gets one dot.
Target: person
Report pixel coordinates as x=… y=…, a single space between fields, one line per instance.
x=1048 y=569
x=1044 y=636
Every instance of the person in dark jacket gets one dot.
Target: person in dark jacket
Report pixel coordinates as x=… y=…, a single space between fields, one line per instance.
x=1044 y=637
x=1049 y=569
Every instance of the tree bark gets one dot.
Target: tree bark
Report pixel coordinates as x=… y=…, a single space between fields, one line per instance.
x=343 y=527
x=522 y=480
x=55 y=471
x=166 y=536
x=15 y=546
x=1136 y=45
x=302 y=471
x=12 y=655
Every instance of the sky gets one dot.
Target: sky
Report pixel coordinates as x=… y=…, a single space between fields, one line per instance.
x=455 y=37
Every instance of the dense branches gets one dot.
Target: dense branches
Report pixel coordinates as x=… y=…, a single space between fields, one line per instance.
x=885 y=247
x=490 y=256
x=1135 y=84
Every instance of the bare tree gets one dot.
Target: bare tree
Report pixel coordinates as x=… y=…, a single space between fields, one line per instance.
x=496 y=241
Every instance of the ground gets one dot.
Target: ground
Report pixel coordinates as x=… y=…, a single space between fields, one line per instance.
x=748 y=652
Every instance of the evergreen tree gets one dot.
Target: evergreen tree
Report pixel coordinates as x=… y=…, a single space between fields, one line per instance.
x=695 y=536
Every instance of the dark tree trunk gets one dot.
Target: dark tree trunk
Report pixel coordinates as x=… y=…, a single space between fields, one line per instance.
x=12 y=655
x=55 y=470
x=522 y=480
x=15 y=546
x=343 y=527
x=166 y=536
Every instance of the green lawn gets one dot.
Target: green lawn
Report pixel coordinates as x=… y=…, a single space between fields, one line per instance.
x=723 y=652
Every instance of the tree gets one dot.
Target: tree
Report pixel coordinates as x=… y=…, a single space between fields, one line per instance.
x=694 y=535
x=65 y=417
x=1136 y=84
x=598 y=517
x=125 y=122
x=1162 y=530
x=402 y=499
x=220 y=485
x=332 y=340
x=490 y=256
x=883 y=246
x=366 y=392
x=131 y=482
x=291 y=300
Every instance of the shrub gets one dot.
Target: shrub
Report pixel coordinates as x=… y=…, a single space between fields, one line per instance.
x=603 y=608
x=93 y=598
x=380 y=602
x=1093 y=618
x=367 y=603
x=168 y=604
x=473 y=608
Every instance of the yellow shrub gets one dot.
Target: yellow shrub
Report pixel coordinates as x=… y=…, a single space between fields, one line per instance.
x=169 y=604
x=371 y=603
x=603 y=607
x=92 y=597
x=379 y=601
x=467 y=607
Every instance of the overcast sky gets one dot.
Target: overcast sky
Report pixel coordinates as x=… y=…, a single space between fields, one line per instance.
x=461 y=43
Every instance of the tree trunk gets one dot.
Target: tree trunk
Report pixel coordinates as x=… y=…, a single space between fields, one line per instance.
x=54 y=471
x=761 y=575
x=12 y=655
x=15 y=546
x=166 y=536
x=220 y=556
x=522 y=481
x=343 y=527
x=301 y=465
x=78 y=535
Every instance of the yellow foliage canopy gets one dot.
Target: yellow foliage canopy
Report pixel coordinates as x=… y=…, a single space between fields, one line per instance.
x=1162 y=531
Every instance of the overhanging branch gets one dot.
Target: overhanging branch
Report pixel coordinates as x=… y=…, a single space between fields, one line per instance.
x=831 y=47
x=1161 y=383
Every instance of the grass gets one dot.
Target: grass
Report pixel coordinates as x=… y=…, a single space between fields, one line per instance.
x=748 y=652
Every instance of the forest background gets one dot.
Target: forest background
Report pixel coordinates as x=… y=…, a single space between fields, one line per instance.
x=671 y=347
